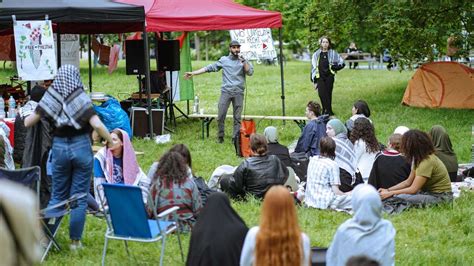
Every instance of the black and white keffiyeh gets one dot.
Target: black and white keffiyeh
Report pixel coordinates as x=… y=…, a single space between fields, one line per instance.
x=65 y=101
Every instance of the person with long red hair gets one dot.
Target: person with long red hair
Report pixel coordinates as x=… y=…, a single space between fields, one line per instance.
x=278 y=240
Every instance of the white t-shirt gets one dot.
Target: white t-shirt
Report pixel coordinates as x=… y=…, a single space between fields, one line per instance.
x=365 y=160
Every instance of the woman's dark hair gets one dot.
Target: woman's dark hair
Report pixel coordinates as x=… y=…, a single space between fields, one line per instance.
x=184 y=151
x=314 y=107
x=364 y=130
x=328 y=147
x=37 y=93
x=171 y=169
x=258 y=144
x=327 y=38
x=362 y=108
x=416 y=146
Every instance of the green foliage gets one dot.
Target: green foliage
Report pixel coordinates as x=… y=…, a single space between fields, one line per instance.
x=413 y=31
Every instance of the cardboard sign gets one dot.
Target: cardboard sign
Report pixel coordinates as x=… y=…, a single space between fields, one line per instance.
x=34 y=45
x=256 y=44
x=70 y=47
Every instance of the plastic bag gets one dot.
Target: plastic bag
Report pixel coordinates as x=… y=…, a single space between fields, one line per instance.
x=113 y=116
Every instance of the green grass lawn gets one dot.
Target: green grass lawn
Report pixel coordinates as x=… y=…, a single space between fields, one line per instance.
x=441 y=235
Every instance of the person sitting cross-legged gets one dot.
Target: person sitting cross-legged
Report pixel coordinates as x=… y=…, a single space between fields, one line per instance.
x=256 y=174
x=390 y=166
x=308 y=143
x=428 y=182
x=275 y=148
x=366 y=233
x=322 y=189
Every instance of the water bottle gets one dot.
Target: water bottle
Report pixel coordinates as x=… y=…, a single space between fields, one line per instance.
x=11 y=107
x=2 y=107
x=196 y=105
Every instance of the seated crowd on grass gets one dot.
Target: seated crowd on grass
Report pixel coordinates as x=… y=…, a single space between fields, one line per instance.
x=338 y=166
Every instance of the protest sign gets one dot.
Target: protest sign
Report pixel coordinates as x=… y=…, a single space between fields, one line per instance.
x=34 y=45
x=256 y=44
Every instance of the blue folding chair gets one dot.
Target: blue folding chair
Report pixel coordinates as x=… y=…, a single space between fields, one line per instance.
x=127 y=218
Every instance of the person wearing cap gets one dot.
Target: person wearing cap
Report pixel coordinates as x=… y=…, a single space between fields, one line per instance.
x=234 y=68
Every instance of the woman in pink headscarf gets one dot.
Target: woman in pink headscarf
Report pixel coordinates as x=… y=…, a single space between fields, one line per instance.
x=118 y=166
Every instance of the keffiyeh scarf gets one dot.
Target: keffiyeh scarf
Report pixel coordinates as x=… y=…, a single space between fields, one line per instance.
x=65 y=101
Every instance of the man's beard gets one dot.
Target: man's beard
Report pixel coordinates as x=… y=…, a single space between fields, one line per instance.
x=235 y=54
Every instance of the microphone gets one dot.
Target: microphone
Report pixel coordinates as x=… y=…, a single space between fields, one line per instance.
x=241 y=57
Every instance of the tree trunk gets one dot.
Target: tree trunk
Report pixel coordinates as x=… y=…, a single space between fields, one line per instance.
x=197 y=46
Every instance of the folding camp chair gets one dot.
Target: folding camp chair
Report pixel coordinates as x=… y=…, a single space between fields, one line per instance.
x=127 y=218
x=51 y=216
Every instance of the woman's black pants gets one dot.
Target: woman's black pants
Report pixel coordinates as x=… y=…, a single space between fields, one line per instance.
x=325 y=86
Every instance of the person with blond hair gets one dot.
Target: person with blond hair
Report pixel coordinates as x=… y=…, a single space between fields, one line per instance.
x=278 y=240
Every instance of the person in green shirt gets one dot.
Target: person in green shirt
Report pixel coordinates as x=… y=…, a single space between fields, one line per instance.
x=428 y=182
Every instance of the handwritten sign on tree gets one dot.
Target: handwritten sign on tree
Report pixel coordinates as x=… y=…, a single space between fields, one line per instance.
x=34 y=45
x=256 y=44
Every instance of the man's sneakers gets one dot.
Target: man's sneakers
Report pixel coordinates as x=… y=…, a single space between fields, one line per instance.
x=220 y=139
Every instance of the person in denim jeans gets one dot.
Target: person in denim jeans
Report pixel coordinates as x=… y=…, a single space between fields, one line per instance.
x=70 y=109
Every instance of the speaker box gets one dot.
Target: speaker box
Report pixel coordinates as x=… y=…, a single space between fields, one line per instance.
x=139 y=121
x=168 y=55
x=135 y=59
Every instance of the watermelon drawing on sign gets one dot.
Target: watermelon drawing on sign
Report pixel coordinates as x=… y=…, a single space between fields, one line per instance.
x=35 y=54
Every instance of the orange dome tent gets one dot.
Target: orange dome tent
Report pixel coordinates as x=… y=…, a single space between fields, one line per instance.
x=441 y=85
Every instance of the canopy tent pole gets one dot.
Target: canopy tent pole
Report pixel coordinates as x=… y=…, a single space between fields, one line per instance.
x=58 y=45
x=89 y=59
x=147 y=78
x=282 y=78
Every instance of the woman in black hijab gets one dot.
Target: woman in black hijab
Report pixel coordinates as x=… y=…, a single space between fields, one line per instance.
x=218 y=235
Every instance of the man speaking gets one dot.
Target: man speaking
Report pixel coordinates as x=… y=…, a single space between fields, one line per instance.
x=234 y=68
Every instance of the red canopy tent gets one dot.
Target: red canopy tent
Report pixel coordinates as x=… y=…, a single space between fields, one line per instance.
x=197 y=15
x=201 y=15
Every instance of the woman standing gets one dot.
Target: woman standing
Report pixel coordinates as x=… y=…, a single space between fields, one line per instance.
x=325 y=62
x=278 y=240
x=70 y=109
x=428 y=182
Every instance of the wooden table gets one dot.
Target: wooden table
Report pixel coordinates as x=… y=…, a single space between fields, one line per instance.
x=206 y=120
